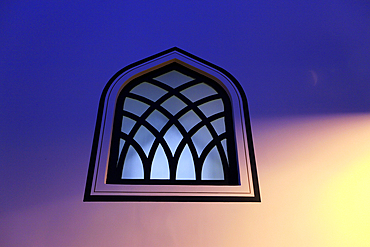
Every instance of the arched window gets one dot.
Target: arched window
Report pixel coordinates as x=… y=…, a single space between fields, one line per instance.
x=172 y=127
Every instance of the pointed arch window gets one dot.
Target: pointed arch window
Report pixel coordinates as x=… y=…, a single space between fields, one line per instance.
x=172 y=127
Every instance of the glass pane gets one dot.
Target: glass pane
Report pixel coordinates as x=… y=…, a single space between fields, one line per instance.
x=149 y=91
x=121 y=143
x=223 y=142
x=198 y=92
x=173 y=78
x=219 y=125
x=173 y=105
x=201 y=138
x=173 y=138
x=134 y=106
x=212 y=167
x=157 y=120
x=160 y=168
x=185 y=167
x=132 y=167
x=127 y=124
x=212 y=107
x=144 y=138
x=189 y=120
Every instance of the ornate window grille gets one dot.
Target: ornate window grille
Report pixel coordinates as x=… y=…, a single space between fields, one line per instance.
x=172 y=127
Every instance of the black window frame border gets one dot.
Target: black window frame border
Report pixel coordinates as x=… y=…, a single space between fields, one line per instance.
x=91 y=197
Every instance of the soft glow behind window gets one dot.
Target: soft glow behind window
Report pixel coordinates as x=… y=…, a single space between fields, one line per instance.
x=170 y=126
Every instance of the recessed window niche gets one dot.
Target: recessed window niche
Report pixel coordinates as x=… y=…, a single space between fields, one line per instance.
x=172 y=127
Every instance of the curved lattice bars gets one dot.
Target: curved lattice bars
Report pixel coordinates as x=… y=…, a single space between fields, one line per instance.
x=173 y=126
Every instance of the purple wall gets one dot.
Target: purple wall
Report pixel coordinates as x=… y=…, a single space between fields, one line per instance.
x=305 y=70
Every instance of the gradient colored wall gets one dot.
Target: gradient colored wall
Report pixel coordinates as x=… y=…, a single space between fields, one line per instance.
x=304 y=67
